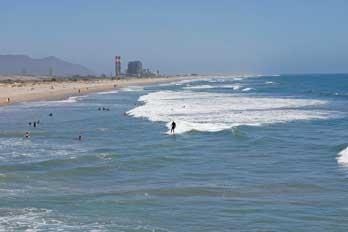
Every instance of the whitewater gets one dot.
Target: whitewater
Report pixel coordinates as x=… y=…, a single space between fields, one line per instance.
x=250 y=153
x=212 y=112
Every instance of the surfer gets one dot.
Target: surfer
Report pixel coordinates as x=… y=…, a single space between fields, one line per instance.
x=173 y=127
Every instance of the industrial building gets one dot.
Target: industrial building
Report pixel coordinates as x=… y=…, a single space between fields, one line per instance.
x=135 y=68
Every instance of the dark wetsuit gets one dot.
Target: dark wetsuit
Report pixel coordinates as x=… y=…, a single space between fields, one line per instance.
x=173 y=127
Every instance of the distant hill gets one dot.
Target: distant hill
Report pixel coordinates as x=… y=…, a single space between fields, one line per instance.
x=25 y=65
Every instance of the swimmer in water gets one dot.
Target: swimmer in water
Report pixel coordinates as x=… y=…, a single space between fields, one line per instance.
x=27 y=135
x=173 y=127
x=34 y=124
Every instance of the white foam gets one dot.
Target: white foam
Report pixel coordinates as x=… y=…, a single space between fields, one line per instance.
x=212 y=79
x=183 y=82
x=234 y=87
x=70 y=100
x=39 y=219
x=64 y=102
x=21 y=150
x=133 y=88
x=107 y=92
x=31 y=219
x=199 y=87
x=34 y=219
x=342 y=157
x=211 y=112
x=247 y=89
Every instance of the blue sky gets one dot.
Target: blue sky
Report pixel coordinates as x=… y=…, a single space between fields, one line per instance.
x=235 y=36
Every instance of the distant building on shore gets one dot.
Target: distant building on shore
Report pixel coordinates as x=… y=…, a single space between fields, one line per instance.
x=117 y=66
x=135 y=68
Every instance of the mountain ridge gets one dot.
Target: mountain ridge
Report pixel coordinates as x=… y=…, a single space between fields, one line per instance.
x=25 y=65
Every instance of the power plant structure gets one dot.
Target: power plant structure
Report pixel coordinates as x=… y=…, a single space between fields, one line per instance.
x=117 y=67
x=135 y=68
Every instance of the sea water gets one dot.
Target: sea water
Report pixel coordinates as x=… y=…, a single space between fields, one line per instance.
x=252 y=153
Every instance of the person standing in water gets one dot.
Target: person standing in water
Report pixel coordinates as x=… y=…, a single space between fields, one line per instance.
x=173 y=127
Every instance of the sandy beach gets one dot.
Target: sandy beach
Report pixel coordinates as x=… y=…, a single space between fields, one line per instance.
x=38 y=89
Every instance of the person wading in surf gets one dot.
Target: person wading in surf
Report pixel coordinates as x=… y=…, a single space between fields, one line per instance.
x=173 y=127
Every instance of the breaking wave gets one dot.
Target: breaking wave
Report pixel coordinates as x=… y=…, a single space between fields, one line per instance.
x=132 y=88
x=212 y=112
x=234 y=87
x=247 y=89
x=108 y=92
x=342 y=157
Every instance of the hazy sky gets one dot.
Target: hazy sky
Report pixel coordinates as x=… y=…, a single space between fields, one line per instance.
x=255 y=36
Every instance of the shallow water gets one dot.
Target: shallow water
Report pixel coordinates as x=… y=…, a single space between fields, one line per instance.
x=268 y=155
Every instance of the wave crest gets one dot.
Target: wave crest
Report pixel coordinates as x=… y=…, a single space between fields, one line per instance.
x=212 y=112
x=342 y=157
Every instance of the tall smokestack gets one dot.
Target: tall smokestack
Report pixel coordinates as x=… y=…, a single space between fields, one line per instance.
x=117 y=66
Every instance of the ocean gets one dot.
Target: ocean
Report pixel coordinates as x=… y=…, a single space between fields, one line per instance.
x=250 y=153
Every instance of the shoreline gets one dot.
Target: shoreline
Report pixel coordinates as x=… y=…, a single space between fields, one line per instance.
x=31 y=91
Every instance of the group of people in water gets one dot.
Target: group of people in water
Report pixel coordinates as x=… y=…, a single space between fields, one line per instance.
x=36 y=123
x=27 y=134
x=104 y=109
